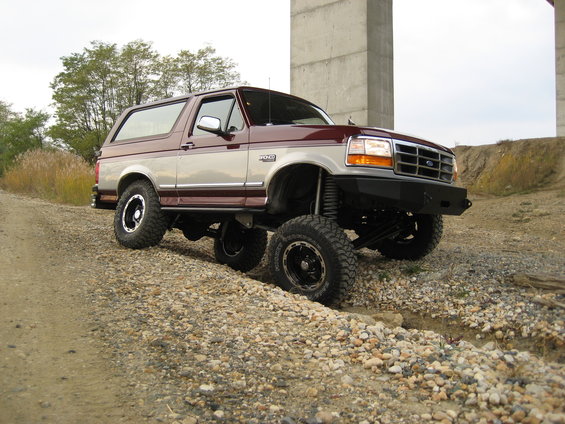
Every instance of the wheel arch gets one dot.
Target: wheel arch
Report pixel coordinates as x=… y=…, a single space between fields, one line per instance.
x=293 y=182
x=128 y=178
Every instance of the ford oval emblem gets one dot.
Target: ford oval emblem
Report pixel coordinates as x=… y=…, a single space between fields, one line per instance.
x=429 y=163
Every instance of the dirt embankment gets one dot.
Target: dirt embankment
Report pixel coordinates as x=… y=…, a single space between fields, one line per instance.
x=510 y=167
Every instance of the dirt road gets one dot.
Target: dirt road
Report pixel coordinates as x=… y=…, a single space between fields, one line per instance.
x=52 y=368
x=92 y=332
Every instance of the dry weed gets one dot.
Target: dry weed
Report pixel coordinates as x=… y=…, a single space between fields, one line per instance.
x=51 y=174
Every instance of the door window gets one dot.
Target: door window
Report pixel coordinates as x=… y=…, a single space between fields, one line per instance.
x=223 y=108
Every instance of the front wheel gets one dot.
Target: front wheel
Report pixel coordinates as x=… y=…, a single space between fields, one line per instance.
x=139 y=221
x=238 y=247
x=421 y=234
x=312 y=256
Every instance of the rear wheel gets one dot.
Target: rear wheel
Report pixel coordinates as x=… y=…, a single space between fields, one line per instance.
x=139 y=221
x=238 y=247
x=420 y=235
x=312 y=256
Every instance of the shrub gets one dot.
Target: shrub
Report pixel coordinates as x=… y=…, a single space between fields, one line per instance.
x=54 y=175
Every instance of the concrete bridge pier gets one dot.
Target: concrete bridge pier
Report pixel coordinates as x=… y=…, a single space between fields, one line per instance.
x=560 y=64
x=342 y=58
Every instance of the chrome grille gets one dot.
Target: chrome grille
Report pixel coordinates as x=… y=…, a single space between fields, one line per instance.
x=423 y=162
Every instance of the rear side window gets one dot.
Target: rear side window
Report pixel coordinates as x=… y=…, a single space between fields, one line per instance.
x=149 y=122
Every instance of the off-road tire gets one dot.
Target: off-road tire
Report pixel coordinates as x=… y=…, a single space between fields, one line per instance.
x=139 y=221
x=312 y=256
x=238 y=247
x=415 y=242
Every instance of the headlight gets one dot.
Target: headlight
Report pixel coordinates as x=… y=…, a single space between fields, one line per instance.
x=372 y=151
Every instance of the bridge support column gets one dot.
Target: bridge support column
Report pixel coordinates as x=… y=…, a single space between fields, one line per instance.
x=342 y=58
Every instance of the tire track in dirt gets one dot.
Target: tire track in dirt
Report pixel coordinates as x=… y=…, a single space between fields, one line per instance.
x=52 y=368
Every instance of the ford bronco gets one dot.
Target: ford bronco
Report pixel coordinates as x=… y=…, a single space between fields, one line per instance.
x=234 y=164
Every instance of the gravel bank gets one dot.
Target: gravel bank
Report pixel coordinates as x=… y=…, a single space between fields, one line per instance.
x=198 y=342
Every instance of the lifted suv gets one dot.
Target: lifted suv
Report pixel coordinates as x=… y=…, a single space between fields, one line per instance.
x=233 y=164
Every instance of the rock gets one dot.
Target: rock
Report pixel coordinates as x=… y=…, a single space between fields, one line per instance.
x=206 y=388
x=390 y=319
x=535 y=390
x=347 y=380
x=440 y=416
x=494 y=398
x=395 y=369
x=373 y=362
x=519 y=415
x=325 y=417
x=311 y=392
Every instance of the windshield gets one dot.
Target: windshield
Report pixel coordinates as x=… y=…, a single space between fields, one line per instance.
x=275 y=109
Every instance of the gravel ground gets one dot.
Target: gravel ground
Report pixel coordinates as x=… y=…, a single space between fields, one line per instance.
x=198 y=342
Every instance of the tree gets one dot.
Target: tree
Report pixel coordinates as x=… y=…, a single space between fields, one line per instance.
x=85 y=100
x=97 y=84
x=19 y=133
x=137 y=71
x=204 y=70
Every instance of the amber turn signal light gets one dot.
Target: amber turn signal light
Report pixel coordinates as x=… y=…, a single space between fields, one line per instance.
x=369 y=160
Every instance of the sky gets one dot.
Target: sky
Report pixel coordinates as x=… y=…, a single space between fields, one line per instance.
x=467 y=72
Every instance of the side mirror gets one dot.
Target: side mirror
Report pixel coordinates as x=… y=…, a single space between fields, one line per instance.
x=210 y=124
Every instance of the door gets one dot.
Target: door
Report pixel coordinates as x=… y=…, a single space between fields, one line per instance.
x=212 y=168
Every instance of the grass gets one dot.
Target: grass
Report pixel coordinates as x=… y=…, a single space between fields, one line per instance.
x=412 y=269
x=53 y=175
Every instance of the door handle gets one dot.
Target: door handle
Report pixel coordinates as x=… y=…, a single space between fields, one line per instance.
x=187 y=146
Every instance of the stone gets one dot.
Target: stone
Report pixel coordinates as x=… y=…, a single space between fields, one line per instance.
x=325 y=417
x=373 y=362
x=347 y=380
x=519 y=415
x=494 y=398
x=206 y=388
x=389 y=319
x=395 y=369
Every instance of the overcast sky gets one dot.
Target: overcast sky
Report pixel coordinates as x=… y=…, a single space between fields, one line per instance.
x=466 y=71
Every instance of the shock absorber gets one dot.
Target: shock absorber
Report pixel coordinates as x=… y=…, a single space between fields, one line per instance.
x=331 y=198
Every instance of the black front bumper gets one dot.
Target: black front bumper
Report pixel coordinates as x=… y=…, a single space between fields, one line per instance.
x=411 y=196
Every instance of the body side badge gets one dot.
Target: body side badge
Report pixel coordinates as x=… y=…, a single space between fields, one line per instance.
x=268 y=158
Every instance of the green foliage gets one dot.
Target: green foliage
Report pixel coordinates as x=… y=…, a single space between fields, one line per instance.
x=97 y=84
x=412 y=269
x=203 y=70
x=51 y=174
x=19 y=133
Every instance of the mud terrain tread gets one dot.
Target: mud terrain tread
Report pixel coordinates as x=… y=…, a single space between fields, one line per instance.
x=154 y=224
x=336 y=245
x=254 y=246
